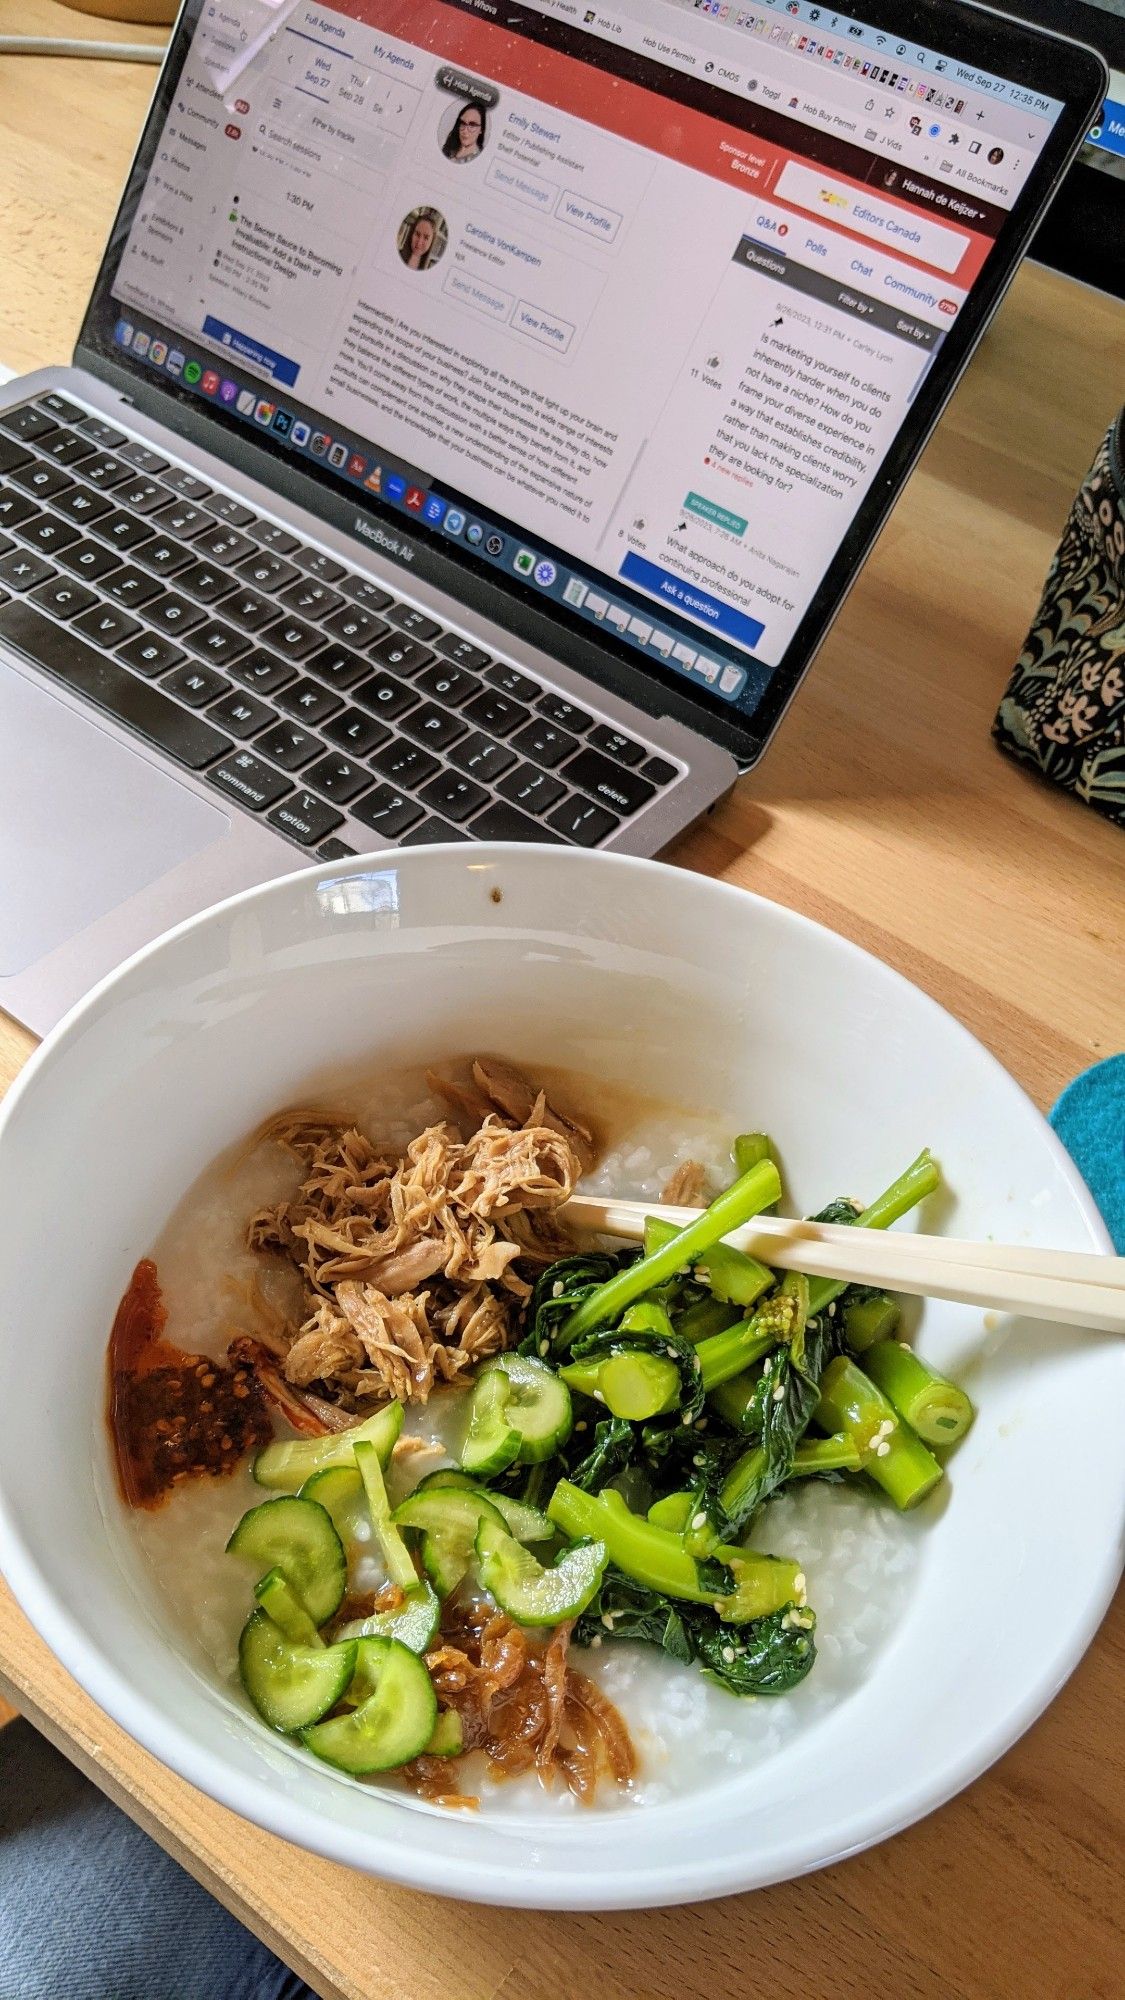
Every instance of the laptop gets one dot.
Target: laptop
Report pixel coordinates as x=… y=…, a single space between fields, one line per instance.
x=481 y=413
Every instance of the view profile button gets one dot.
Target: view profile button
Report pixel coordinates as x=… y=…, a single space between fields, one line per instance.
x=543 y=326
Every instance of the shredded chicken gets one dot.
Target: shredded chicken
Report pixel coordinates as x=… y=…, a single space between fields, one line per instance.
x=522 y=1705
x=686 y=1187
x=410 y=1265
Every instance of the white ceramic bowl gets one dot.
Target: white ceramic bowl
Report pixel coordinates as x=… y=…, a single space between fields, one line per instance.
x=676 y=985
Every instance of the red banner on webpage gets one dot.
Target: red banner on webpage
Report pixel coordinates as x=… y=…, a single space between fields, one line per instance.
x=697 y=141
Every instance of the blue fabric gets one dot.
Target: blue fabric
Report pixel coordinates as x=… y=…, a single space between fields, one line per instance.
x=92 y=1909
x=1090 y=1120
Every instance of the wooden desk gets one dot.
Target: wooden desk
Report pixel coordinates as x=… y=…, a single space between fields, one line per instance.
x=884 y=811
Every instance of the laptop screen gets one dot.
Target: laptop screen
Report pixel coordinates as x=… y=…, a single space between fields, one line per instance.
x=634 y=304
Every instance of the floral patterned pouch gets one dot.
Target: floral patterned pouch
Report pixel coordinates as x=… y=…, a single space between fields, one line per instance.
x=1064 y=710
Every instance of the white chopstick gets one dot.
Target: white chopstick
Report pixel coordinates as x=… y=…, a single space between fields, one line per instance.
x=1064 y=1285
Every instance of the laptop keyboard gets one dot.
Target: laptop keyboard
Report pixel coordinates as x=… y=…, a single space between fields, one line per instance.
x=301 y=690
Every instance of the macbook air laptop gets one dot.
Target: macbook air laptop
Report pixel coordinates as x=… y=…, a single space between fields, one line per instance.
x=481 y=412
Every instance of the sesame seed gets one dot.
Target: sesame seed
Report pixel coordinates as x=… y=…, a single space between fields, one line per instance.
x=718 y=1605
x=779 y=1393
x=699 y=1520
x=607 y=1620
x=832 y=1312
x=557 y=1289
x=686 y=1420
x=671 y=1351
x=596 y=1640
x=544 y=1347
x=701 y=1423
x=883 y=1450
x=728 y=1655
x=581 y=1424
x=598 y=1397
x=800 y=1585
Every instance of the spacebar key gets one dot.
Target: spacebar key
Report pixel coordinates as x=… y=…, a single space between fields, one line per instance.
x=133 y=702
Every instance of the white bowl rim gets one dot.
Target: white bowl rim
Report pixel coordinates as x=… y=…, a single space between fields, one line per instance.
x=471 y=1879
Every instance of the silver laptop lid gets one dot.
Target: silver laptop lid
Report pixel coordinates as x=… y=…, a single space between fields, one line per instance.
x=628 y=321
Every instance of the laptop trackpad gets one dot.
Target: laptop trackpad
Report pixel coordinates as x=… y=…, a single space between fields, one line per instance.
x=85 y=822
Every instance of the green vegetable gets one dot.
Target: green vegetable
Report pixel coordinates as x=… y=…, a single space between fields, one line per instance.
x=733 y=1277
x=673 y=1511
x=750 y=1149
x=636 y=1385
x=448 y=1739
x=277 y=1597
x=771 y=1656
x=448 y=1519
x=646 y=1389
x=778 y=1411
x=603 y=1306
x=652 y=1556
x=394 y=1721
x=529 y=1593
x=779 y=1318
x=518 y=1409
x=816 y=1456
x=936 y=1409
x=396 y=1555
x=562 y=1287
x=921 y=1178
x=768 y=1656
x=889 y=1452
x=291 y=1686
x=614 y=1444
x=297 y=1537
x=733 y=1401
x=414 y=1624
x=869 y=1316
x=706 y=1317
x=762 y=1585
x=289 y=1465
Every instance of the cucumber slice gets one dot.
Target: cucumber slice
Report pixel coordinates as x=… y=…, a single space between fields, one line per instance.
x=396 y=1555
x=491 y=1442
x=448 y=1739
x=280 y=1600
x=394 y=1721
x=339 y=1490
x=536 y=1407
x=449 y=1519
x=287 y=1466
x=526 y=1523
x=529 y=1593
x=291 y=1686
x=413 y=1624
x=297 y=1537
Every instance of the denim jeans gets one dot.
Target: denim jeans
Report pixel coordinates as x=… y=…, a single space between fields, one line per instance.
x=92 y=1909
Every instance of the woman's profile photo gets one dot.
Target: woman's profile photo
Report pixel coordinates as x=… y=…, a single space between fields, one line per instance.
x=422 y=237
x=467 y=134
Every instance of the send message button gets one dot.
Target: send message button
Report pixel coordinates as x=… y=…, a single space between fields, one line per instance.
x=687 y=597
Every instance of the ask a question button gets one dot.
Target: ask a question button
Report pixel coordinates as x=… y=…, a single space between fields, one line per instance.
x=696 y=603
